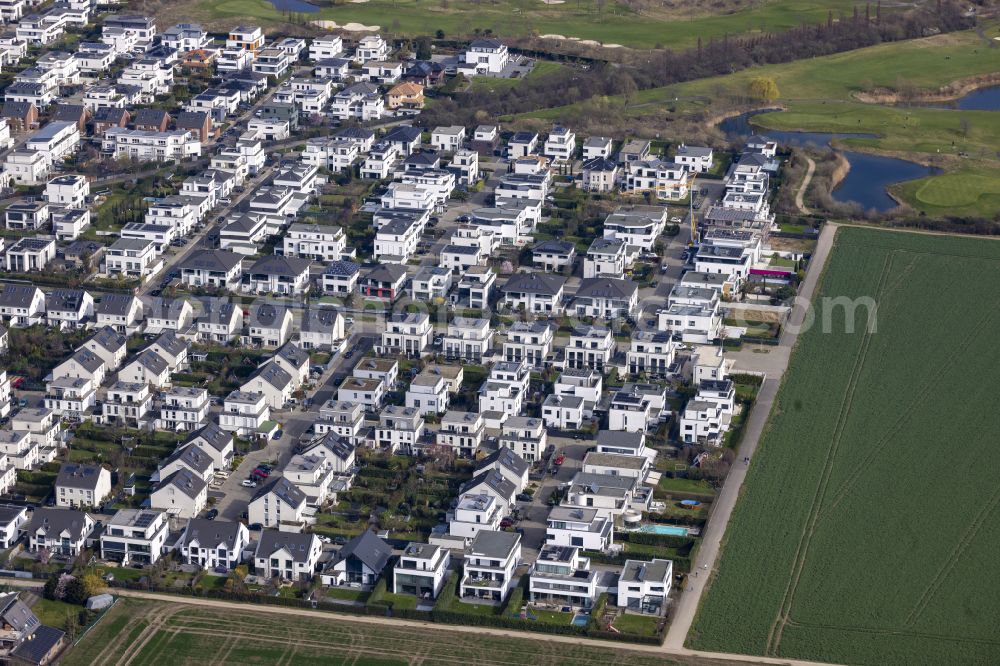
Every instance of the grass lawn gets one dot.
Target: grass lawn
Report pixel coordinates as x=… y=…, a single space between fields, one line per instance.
x=688 y=486
x=551 y=617
x=401 y=600
x=973 y=191
x=456 y=606
x=641 y=625
x=610 y=23
x=846 y=546
x=185 y=634
x=53 y=613
x=346 y=594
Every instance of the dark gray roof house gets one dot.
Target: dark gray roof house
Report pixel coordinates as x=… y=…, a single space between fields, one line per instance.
x=273 y=374
x=367 y=549
x=505 y=458
x=109 y=339
x=491 y=479
x=44 y=646
x=278 y=265
x=171 y=344
x=213 y=435
x=185 y=481
x=298 y=545
x=17 y=295
x=117 y=305
x=87 y=359
x=606 y=288
x=211 y=533
x=534 y=283
x=56 y=521
x=192 y=457
x=211 y=260
x=152 y=362
x=293 y=354
x=284 y=489
x=79 y=475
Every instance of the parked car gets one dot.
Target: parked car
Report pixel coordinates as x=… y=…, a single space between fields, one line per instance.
x=260 y=474
x=506 y=523
x=524 y=497
x=277 y=434
x=340 y=541
x=249 y=483
x=560 y=459
x=212 y=514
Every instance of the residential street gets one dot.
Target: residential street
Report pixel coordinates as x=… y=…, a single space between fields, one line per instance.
x=234 y=496
x=773 y=363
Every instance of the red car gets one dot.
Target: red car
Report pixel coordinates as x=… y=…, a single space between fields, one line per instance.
x=560 y=459
x=506 y=524
x=260 y=473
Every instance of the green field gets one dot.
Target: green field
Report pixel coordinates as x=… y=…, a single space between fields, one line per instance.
x=152 y=632
x=868 y=527
x=605 y=22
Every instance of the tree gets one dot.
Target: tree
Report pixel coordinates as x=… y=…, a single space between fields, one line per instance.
x=92 y=584
x=763 y=87
x=422 y=48
x=76 y=593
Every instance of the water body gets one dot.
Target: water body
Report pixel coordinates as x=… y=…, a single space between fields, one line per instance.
x=984 y=99
x=294 y=6
x=870 y=176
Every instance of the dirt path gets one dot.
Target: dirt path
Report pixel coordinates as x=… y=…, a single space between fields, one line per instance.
x=800 y=195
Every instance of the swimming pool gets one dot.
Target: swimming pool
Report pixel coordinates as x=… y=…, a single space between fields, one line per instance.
x=669 y=530
x=580 y=620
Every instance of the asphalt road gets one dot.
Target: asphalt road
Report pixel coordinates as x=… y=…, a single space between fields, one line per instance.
x=294 y=423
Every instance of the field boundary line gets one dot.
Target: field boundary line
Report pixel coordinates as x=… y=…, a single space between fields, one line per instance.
x=968 y=536
x=801 y=552
x=902 y=419
x=894 y=632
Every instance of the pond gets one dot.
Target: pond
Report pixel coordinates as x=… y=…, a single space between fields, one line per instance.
x=866 y=184
x=294 y=6
x=984 y=99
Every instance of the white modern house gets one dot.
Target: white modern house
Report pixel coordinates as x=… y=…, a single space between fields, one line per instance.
x=489 y=565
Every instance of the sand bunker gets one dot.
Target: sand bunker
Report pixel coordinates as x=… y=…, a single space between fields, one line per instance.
x=350 y=27
x=584 y=42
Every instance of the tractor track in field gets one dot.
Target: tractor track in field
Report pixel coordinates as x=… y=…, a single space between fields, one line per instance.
x=953 y=557
x=903 y=417
x=801 y=552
